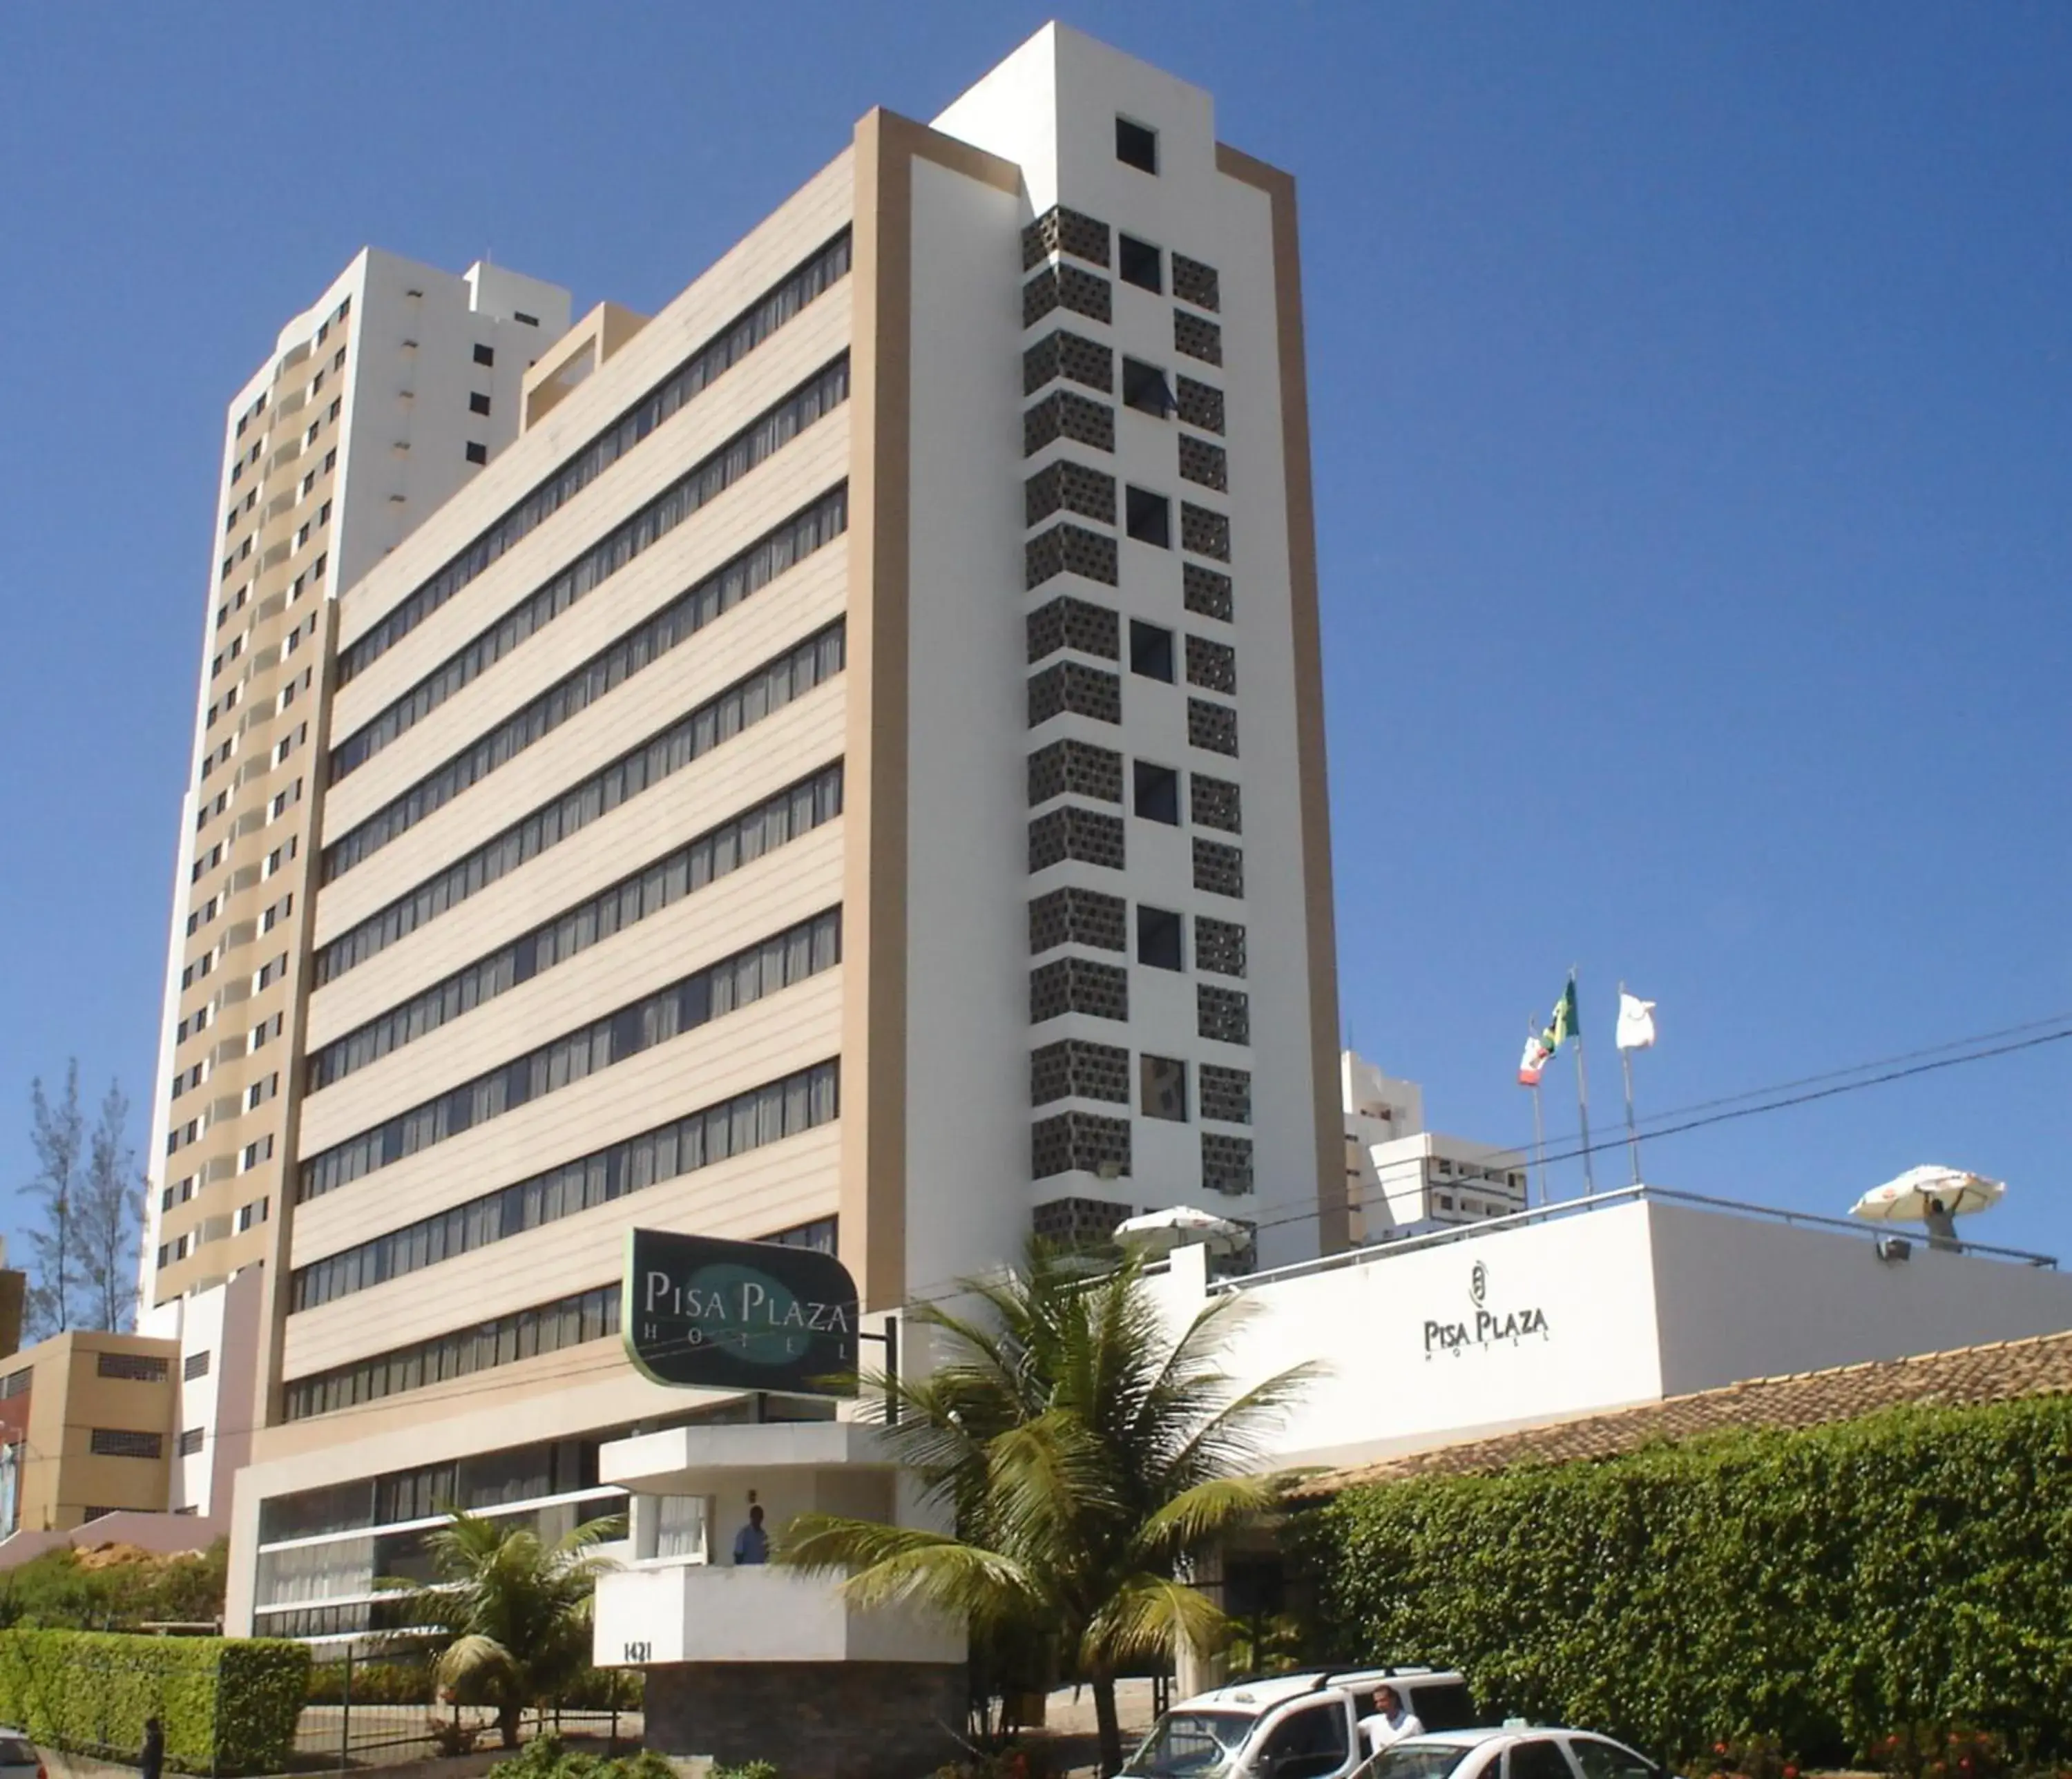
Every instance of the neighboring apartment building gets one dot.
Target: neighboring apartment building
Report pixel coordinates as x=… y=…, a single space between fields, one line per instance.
x=851 y=773
x=378 y=403
x=1402 y=1179
x=86 y=1429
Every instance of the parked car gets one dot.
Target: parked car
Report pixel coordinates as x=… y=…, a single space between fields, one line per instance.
x=1515 y=1751
x=1292 y=1726
x=18 y=1759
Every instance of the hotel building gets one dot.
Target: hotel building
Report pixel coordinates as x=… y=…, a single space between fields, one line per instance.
x=848 y=771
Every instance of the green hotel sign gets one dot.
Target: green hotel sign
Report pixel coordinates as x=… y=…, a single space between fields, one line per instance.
x=699 y=1312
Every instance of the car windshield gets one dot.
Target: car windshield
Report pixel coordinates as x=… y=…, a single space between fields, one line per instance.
x=1194 y=1744
x=15 y=1753
x=1417 y=1760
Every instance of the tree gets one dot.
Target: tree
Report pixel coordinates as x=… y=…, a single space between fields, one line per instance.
x=1084 y=1455
x=57 y=1131
x=108 y=1217
x=517 y=1610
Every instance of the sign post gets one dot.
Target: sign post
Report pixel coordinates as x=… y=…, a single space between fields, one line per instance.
x=699 y=1312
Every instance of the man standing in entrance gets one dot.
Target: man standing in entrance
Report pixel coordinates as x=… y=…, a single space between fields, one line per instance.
x=751 y=1543
x=1391 y=1722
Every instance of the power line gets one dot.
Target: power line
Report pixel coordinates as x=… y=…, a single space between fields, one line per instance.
x=1729 y=1109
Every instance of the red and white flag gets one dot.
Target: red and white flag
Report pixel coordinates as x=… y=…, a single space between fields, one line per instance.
x=1537 y=1051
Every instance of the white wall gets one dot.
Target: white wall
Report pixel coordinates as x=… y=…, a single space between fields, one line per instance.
x=967 y=919
x=1757 y=1298
x=1640 y=1299
x=1390 y=1383
x=1051 y=108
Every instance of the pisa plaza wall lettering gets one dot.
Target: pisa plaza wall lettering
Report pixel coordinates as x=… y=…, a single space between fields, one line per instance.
x=699 y=1312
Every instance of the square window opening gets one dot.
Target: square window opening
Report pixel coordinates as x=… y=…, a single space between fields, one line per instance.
x=478 y=403
x=1150 y=651
x=1162 y=1087
x=1158 y=937
x=485 y=354
x=1150 y=518
x=1141 y=264
x=478 y=454
x=1157 y=793
x=1145 y=388
x=1137 y=145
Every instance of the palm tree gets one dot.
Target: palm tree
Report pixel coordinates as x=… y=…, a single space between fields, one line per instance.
x=517 y=1610
x=1084 y=1455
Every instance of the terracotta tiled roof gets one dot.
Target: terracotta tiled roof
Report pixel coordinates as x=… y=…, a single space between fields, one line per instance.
x=2003 y=1372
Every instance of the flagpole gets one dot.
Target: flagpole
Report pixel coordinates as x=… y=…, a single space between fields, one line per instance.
x=1625 y=1068
x=1583 y=1099
x=1539 y=1130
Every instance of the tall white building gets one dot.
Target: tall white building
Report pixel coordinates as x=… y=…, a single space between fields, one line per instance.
x=1402 y=1179
x=377 y=404
x=849 y=772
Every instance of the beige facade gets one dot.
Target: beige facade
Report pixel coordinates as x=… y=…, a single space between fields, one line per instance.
x=85 y=1429
x=685 y=857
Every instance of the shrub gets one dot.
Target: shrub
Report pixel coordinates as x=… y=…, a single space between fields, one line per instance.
x=548 y=1757
x=227 y=1705
x=1815 y=1586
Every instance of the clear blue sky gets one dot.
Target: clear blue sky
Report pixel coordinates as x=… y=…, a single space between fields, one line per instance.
x=1692 y=390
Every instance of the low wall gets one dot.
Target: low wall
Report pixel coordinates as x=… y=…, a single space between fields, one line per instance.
x=830 y=1719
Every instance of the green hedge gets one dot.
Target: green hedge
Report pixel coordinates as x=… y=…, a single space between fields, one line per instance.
x=1829 y=1585
x=228 y=1705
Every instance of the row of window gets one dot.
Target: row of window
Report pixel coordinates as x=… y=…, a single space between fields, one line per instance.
x=777 y=820
x=727 y=348
x=743 y=704
x=768 y=433
x=751 y=1120
x=604 y=672
x=581 y=1316
x=219 y=1229
x=775 y=963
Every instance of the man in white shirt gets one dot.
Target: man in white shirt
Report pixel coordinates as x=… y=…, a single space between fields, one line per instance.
x=1390 y=1723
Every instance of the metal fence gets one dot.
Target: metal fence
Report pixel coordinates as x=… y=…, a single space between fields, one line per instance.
x=384 y=1709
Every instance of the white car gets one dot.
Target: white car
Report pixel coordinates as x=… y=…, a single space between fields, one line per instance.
x=1515 y=1751
x=18 y=1759
x=1292 y=1726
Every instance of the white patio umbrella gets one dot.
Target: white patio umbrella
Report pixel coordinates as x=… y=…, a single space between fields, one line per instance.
x=1907 y=1199
x=1161 y=1231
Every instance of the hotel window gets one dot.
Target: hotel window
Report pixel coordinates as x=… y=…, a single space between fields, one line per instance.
x=478 y=403
x=1162 y=1087
x=1145 y=388
x=121 y=1442
x=1148 y=518
x=1158 y=939
x=477 y=453
x=1140 y=263
x=1157 y=789
x=485 y=354
x=1136 y=146
x=1150 y=651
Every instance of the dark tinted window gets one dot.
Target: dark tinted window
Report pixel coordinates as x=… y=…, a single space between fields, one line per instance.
x=1418 y=1760
x=1157 y=793
x=1158 y=937
x=1150 y=518
x=485 y=354
x=1307 y=1744
x=1136 y=146
x=1145 y=387
x=1602 y=1760
x=1539 y=1758
x=1139 y=263
x=1150 y=651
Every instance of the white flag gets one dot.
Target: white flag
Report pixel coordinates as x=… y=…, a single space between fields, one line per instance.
x=1636 y=1023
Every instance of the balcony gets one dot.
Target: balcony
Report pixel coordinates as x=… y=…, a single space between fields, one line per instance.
x=664 y=1611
